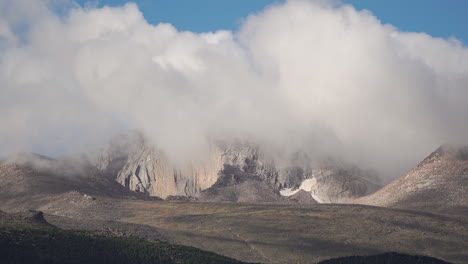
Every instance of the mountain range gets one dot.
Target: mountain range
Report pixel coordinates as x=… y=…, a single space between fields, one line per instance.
x=142 y=168
x=245 y=204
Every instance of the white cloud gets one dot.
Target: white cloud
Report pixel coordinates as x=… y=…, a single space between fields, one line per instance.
x=306 y=75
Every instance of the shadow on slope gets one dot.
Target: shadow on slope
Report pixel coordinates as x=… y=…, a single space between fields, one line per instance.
x=30 y=240
x=386 y=258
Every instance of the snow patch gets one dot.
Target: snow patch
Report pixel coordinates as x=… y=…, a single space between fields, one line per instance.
x=316 y=198
x=288 y=192
x=307 y=185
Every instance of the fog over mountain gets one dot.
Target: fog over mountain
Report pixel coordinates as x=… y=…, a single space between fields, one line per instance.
x=317 y=77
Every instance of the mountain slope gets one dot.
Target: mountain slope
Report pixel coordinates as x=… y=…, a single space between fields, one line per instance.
x=266 y=233
x=438 y=183
x=28 y=180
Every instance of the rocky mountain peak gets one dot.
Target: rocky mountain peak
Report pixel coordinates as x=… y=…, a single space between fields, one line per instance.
x=449 y=152
x=141 y=167
x=427 y=185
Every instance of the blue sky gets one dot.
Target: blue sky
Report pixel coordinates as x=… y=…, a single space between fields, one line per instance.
x=439 y=18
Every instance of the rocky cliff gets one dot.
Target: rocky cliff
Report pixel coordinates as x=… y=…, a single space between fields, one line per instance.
x=140 y=167
x=149 y=171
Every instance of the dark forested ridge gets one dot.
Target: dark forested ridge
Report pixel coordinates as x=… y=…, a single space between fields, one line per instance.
x=386 y=258
x=30 y=240
x=46 y=245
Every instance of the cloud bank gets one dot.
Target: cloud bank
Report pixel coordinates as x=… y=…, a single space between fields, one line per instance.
x=313 y=76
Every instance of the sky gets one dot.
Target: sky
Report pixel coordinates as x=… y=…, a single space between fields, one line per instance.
x=438 y=18
x=379 y=89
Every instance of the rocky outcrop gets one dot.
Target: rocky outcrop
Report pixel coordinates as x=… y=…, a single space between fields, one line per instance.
x=35 y=217
x=248 y=158
x=438 y=183
x=236 y=185
x=302 y=197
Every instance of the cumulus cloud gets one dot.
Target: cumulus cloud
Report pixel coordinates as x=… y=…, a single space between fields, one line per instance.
x=313 y=76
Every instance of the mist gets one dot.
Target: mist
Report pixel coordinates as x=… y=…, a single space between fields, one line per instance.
x=318 y=77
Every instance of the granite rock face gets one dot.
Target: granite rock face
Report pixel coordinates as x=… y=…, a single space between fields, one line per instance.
x=142 y=168
x=149 y=171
